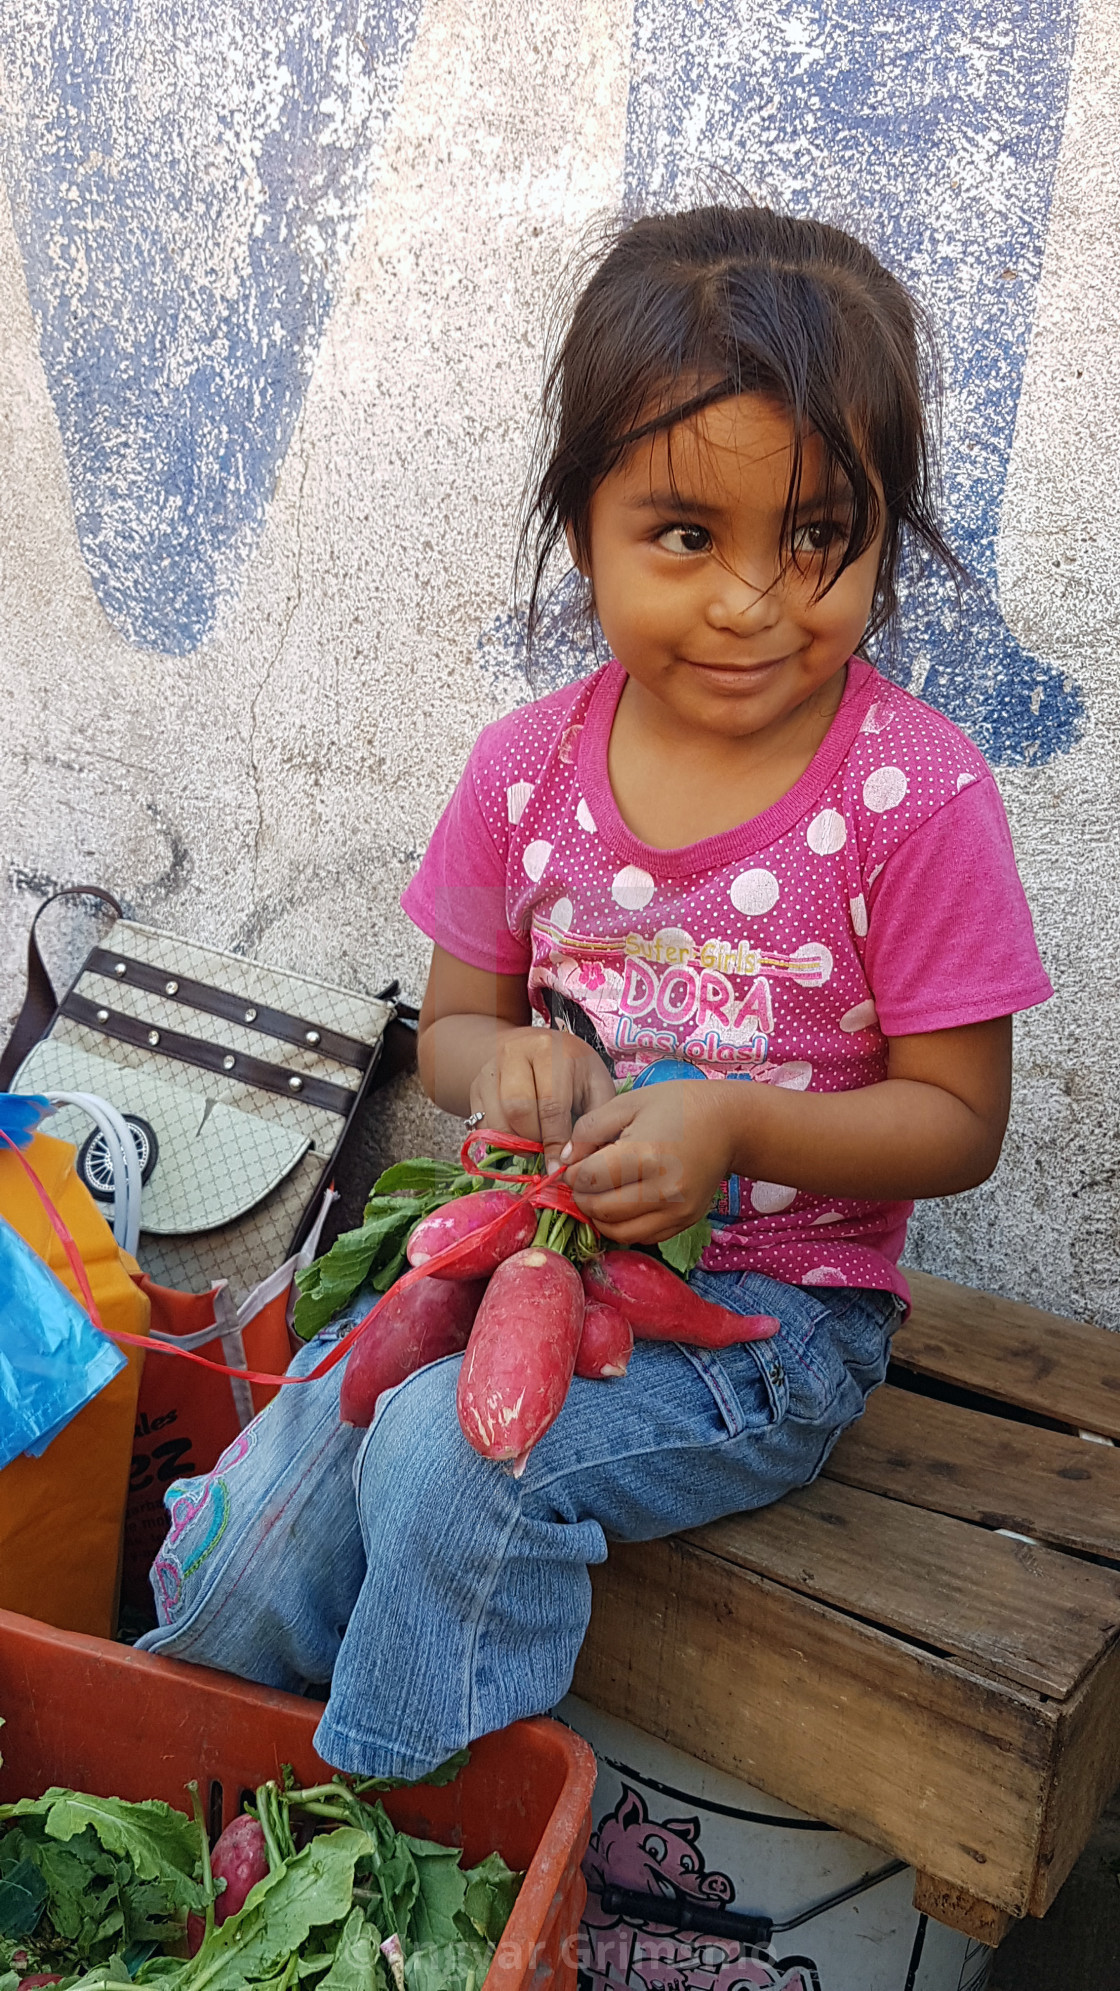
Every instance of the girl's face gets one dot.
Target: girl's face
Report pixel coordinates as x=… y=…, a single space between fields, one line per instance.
x=699 y=600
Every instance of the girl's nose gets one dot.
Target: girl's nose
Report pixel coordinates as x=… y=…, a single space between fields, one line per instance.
x=739 y=602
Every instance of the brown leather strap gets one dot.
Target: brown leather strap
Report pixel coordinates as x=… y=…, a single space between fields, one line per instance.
x=396 y=1053
x=218 y=1058
x=40 y=1003
x=232 y=1009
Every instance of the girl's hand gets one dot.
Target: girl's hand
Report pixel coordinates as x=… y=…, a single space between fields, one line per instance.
x=538 y=1083
x=647 y=1164
x=478 y=1054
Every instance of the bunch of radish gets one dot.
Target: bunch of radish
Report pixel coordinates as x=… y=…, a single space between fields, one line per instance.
x=518 y=1282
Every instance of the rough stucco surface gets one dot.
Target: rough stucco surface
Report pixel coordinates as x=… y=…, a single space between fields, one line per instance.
x=266 y=778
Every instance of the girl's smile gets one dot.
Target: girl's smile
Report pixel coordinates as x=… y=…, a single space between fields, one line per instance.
x=718 y=620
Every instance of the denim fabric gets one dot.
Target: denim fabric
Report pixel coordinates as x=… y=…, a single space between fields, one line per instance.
x=439 y=1596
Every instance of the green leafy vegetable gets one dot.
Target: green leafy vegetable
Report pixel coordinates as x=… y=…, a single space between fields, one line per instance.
x=160 y=1843
x=422 y=1177
x=684 y=1251
x=23 y=1897
x=491 y=1890
x=458 y=1966
x=114 y=1876
x=326 y=1285
x=389 y=1873
x=98 y=1890
x=441 y=1891
x=400 y=1199
x=314 y=1888
x=356 y=1964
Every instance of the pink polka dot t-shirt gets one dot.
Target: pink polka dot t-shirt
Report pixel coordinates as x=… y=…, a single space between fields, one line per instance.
x=878 y=898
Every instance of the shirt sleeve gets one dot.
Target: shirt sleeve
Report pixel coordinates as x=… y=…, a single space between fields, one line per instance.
x=458 y=895
x=950 y=939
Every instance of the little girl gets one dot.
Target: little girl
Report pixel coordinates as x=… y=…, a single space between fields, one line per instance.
x=735 y=866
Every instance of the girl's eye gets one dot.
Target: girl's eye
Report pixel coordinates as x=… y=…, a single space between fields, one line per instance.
x=817 y=539
x=685 y=539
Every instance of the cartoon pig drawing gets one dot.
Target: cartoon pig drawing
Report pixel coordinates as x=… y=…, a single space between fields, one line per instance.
x=648 y=1856
x=707 y=1969
x=754 y=1973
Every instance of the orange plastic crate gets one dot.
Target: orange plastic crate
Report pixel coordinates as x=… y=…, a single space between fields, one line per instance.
x=100 y=1717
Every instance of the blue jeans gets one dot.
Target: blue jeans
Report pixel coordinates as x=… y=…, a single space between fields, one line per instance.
x=439 y=1596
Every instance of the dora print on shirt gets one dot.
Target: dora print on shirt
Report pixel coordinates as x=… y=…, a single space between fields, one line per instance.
x=878 y=898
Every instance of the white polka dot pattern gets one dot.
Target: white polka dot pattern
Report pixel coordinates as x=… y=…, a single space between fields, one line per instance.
x=884 y=789
x=827 y=833
x=534 y=860
x=770 y=1197
x=632 y=887
x=741 y=959
x=517 y=794
x=754 y=891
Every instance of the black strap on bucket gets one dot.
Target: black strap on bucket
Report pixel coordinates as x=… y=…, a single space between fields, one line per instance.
x=687 y=1911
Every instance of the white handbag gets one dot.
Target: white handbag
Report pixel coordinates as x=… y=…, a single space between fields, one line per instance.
x=238 y=1084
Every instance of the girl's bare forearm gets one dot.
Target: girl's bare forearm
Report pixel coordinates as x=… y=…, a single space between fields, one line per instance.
x=898 y=1140
x=452 y=1051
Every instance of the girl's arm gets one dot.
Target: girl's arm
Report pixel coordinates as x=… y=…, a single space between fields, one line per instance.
x=648 y=1163
x=478 y=1053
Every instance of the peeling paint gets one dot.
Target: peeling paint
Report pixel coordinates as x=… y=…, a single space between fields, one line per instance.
x=185 y=184
x=931 y=129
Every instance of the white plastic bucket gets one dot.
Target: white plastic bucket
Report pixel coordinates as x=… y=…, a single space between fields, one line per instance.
x=714 y=1849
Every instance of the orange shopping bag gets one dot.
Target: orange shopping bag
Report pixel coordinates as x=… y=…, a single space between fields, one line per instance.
x=61 y=1515
x=186 y=1416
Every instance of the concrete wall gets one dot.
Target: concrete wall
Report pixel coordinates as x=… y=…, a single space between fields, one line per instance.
x=273 y=287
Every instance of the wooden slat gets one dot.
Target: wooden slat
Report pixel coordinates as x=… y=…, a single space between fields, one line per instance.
x=1086 y=1772
x=1023 y=1613
x=986 y=1469
x=1014 y=1353
x=946 y=1770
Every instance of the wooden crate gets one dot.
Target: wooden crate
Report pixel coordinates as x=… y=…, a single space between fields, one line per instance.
x=873 y=1651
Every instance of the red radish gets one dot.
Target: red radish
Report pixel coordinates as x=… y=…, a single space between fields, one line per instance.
x=606 y=1344
x=240 y=1859
x=415 y=1325
x=457 y=1222
x=521 y=1353
x=661 y=1307
x=25 y=1983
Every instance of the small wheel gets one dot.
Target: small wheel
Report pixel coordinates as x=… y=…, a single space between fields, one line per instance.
x=95 y=1168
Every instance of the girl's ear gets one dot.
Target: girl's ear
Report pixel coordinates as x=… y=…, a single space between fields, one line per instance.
x=576 y=561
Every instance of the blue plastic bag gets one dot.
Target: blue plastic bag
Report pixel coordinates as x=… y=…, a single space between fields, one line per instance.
x=20 y=1114
x=52 y=1358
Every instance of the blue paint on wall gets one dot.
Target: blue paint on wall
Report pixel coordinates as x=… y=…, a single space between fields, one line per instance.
x=567 y=645
x=931 y=128
x=185 y=177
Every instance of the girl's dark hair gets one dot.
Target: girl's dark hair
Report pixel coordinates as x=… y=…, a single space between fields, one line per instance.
x=686 y=309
